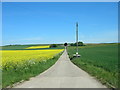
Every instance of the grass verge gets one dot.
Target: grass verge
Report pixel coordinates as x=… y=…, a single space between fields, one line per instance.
x=105 y=77
x=9 y=77
x=100 y=61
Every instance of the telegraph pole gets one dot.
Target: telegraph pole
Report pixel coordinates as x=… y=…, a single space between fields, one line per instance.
x=76 y=38
x=76 y=55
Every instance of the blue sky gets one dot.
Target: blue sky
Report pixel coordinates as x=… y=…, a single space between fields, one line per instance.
x=50 y=22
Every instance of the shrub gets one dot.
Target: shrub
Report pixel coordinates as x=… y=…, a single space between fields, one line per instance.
x=53 y=45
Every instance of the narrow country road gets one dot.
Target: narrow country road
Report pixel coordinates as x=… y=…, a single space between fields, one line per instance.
x=64 y=74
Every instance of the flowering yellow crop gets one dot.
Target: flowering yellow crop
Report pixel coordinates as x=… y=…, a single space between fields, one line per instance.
x=17 y=58
x=36 y=47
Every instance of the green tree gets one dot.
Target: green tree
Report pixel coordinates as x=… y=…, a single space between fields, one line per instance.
x=79 y=44
x=65 y=44
x=53 y=45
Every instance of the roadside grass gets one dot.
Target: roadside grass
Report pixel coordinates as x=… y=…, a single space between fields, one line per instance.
x=9 y=77
x=0 y=79
x=100 y=61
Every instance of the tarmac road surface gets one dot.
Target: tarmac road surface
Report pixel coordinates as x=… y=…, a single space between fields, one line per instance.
x=63 y=74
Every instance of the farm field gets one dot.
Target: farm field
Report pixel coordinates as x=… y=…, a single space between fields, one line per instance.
x=20 y=65
x=100 y=61
x=35 y=47
x=29 y=47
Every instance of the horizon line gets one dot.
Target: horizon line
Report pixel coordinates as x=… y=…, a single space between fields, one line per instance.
x=60 y=43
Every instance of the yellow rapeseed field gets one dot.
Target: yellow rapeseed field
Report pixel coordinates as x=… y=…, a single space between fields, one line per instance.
x=36 y=47
x=17 y=58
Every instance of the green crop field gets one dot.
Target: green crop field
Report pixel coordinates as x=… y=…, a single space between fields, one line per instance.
x=99 y=60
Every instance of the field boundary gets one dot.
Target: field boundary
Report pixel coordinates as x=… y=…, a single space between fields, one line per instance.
x=104 y=83
x=45 y=67
x=22 y=81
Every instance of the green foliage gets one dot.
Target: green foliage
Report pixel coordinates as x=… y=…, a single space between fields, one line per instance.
x=79 y=44
x=100 y=61
x=65 y=44
x=72 y=44
x=53 y=45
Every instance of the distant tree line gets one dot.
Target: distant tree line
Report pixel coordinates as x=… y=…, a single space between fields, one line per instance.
x=53 y=45
x=79 y=44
